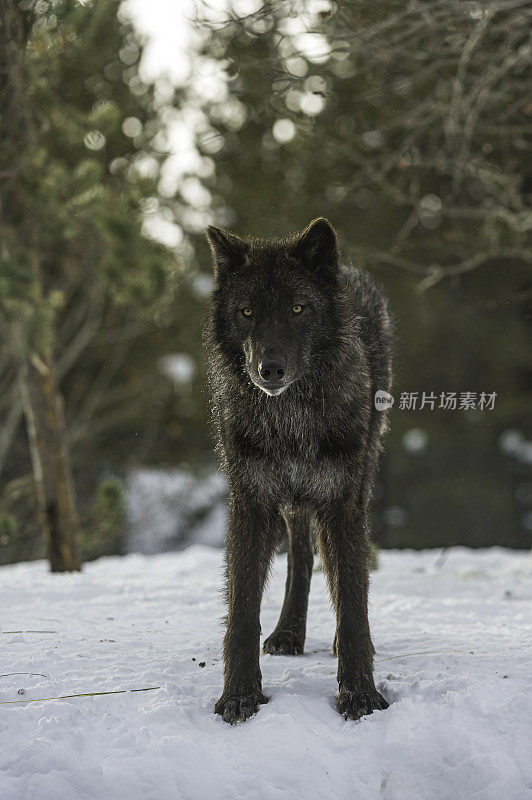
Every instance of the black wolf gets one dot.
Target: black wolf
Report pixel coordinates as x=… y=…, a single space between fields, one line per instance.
x=297 y=346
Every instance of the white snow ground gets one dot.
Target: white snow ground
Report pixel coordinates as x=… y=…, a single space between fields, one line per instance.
x=459 y=724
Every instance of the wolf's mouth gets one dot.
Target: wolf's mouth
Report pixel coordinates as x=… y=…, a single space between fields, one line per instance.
x=273 y=391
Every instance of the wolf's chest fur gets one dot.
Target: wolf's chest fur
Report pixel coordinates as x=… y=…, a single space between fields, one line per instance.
x=293 y=447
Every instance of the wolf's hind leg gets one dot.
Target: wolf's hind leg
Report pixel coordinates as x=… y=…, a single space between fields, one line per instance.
x=288 y=638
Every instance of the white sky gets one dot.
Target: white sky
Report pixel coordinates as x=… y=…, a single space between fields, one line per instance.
x=167 y=25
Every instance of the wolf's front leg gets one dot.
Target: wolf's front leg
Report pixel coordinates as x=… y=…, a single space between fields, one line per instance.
x=344 y=544
x=250 y=545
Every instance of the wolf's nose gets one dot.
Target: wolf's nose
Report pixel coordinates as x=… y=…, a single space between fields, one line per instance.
x=272 y=370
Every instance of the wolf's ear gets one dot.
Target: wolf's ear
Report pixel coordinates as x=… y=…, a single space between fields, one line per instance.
x=317 y=247
x=228 y=250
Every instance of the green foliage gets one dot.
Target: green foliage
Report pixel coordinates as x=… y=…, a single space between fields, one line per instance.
x=37 y=328
x=104 y=530
x=73 y=208
x=374 y=558
x=8 y=527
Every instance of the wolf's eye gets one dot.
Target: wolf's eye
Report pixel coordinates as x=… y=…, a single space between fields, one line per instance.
x=247 y=312
x=297 y=308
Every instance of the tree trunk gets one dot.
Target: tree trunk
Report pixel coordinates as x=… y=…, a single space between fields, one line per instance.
x=43 y=409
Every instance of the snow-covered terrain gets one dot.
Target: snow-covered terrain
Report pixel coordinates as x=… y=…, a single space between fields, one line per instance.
x=453 y=658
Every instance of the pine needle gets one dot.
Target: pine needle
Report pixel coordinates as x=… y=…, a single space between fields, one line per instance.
x=33 y=674
x=6 y=632
x=423 y=653
x=84 y=694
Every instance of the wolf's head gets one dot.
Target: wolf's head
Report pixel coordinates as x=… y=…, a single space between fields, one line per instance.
x=275 y=303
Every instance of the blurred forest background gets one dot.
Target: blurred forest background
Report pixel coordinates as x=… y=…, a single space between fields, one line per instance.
x=407 y=124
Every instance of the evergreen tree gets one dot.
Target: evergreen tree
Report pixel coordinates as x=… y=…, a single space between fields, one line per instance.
x=75 y=121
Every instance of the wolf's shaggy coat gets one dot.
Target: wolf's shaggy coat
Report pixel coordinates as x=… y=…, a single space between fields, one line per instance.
x=299 y=447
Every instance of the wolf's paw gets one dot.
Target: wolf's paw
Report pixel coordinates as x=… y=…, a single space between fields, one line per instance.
x=356 y=704
x=238 y=707
x=284 y=643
